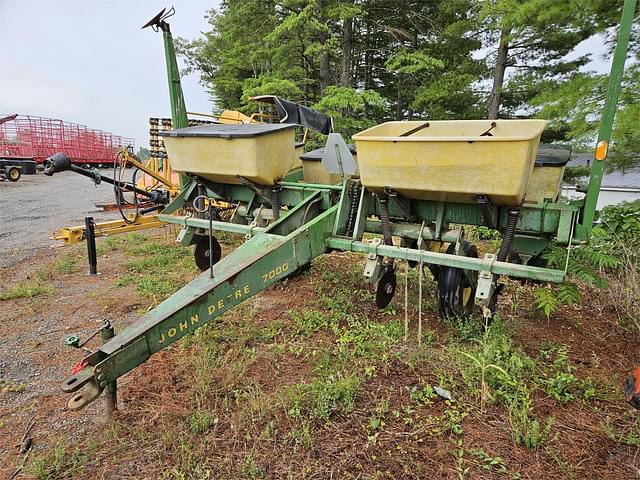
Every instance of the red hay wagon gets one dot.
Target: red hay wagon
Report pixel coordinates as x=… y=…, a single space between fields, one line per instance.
x=27 y=137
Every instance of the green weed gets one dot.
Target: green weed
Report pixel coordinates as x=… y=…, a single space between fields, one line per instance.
x=623 y=431
x=377 y=421
x=188 y=464
x=496 y=369
x=200 y=421
x=487 y=462
x=157 y=270
x=302 y=435
x=65 y=265
x=58 y=463
x=526 y=430
x=250 y=467
x=422 y=395
x=311 y=321
x=321 y=398
x=125 y=280
x=562 y=386
x=26 y=289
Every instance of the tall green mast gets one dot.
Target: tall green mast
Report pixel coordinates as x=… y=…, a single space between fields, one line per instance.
x=608 y=115
x=179 y=117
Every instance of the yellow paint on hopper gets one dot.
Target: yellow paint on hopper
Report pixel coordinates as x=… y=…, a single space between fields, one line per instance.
x=263 y=159
x=451 y=160
x=314 y=172
x=544 y=183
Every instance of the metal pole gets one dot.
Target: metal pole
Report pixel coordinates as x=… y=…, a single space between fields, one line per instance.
x=179 y=118
x=97 y=177
x=210 y=238
x=91 y=245
x=608 y=114
x=111 y=390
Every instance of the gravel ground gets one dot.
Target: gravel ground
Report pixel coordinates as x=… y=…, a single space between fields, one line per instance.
x=36 y=205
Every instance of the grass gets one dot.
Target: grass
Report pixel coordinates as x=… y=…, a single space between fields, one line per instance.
x=322 y=398
x=65 y=264
x=200 y=421
x=40 y=283
x=26 y=289
x=154 y=268
x=266 y=393
x=61 y=462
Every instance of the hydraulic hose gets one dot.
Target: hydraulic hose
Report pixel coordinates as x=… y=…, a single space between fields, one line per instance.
x=118 y=168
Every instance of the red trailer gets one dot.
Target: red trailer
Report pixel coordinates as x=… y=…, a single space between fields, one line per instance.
x=27 y=137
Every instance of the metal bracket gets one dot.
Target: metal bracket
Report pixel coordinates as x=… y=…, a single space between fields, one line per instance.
x=403 y=204
x=488 y=209
x=366 y=200
x=77 y=381
x=87 y=394
x=185 y=236
x=486 y=282
x=440 y=220
x=459 y=240
x=374 y=261
x=565 y=226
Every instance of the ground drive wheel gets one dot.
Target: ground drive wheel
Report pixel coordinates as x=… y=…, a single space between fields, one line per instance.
x=456 y=294
x=12 y=174
x=201 y=253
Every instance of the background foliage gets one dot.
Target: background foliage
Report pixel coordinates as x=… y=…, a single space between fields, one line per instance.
x=366 y=61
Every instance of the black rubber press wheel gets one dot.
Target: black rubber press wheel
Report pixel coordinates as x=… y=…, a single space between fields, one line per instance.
x=201 y=253
x=456 y=294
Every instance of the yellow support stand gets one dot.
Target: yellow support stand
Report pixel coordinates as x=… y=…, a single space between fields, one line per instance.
x=72 y=235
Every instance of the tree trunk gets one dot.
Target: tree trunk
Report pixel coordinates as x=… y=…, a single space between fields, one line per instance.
x=367 y=70
x=347 y=48
x=325 y=67
x=498 y=79
x=399 y=102
x=325 y=71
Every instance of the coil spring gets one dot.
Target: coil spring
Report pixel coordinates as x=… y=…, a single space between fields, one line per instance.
x=276 y=202
x=507 y=239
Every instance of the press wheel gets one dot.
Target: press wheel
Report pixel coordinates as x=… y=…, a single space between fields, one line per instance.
x=456 y=293
x=201 y=253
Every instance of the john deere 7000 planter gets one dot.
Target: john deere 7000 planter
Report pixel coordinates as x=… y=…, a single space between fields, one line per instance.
x=420 y=182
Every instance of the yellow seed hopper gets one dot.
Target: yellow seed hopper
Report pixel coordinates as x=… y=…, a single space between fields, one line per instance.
x=451 y=160
x=546 y=180
x=262 y=153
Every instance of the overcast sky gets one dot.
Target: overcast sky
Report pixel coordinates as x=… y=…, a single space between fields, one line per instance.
x=87 y=61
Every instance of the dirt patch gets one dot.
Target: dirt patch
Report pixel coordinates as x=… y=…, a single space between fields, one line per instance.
x=34 y=359
x=36 y=205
